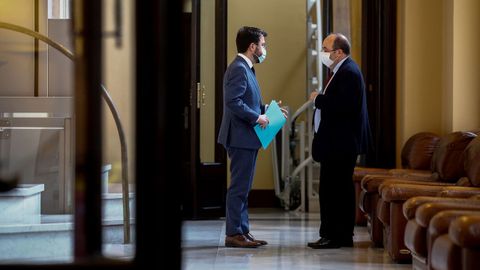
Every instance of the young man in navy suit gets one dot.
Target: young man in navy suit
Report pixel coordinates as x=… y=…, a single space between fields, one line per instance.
x=341 y=132
x=242 y=110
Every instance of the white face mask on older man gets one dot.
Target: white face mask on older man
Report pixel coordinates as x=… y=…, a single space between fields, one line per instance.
x=325 y=58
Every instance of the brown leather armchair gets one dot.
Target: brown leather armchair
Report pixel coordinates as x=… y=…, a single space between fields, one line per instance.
x=460 y=248
x=393 y=195
x=416 y=157
x=472 y=168
x=446 y=166
x=421 y=213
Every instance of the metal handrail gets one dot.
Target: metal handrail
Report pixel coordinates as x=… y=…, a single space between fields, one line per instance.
x=111 y=105
x=300 y=110
x=26 y=31
x=307 y=105
x=290 y=176
x=123 y=152
x=302 y=166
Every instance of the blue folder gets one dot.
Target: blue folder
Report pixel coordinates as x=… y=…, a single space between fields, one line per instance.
x=276 y=121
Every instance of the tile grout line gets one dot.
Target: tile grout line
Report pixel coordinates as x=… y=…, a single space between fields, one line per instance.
x=221 y=242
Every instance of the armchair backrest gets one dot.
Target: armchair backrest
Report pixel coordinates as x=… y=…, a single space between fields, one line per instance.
x=448 y=158
x=418 y=150
x=472 y=162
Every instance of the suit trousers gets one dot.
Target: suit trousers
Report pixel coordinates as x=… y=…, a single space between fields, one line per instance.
x=242 y=170
x=337 y=197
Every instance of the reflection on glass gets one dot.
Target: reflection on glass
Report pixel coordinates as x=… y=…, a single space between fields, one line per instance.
x=118 y=79
x=36 y=136
x=35 y=217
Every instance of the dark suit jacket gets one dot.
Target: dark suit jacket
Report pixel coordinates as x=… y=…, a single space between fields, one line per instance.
x=242 y=106
x=344 y=128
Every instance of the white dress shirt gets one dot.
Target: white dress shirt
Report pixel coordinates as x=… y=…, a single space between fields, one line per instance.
x=249 y=62
x=317 y=116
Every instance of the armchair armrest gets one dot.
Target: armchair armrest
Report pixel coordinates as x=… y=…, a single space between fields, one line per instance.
x=371 y=183
x=459 y=192
x=360 y=172
x=439 y=226
x=402 y=192
x=412 y=204
x=440 y=223
x=426 y=211
x=410 y=173
x=465 y=231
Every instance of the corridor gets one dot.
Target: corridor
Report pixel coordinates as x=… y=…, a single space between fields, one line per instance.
x=287 y=234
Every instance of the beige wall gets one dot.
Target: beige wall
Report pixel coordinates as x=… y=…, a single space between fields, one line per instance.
x=341 y=17
x=17 y=50
x=466 y=65
x=419 y=72
x=347 y=19
x=461 y=64
x=437 y=67
x=356 y=30
x=283 y=74
x=119 y=79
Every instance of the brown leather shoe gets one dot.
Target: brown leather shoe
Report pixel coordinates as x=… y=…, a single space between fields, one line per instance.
x=250 y=237
x=240 y=241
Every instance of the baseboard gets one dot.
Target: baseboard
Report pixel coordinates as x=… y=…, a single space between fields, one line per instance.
x=263 y=198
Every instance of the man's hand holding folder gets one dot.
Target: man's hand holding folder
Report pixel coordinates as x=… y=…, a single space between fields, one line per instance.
x=276 y=118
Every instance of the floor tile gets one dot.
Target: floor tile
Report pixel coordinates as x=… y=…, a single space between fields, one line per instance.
x=287 y=234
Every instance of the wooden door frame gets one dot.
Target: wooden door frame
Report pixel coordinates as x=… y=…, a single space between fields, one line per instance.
x=220 y=67
x=219 y=166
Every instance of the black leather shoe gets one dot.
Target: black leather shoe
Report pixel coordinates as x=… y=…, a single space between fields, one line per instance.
x=324 y=243
x=319 y=241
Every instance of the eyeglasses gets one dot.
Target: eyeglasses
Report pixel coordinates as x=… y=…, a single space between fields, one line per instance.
x=325 y=50
x=264 y=45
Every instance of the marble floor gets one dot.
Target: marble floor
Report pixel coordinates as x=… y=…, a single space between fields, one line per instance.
x=287 y=234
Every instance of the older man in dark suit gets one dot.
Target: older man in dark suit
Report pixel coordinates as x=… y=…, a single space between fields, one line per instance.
x=243 y=109
x=341 y=132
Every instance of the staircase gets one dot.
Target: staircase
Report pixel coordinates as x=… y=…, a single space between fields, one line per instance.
x=27 y=235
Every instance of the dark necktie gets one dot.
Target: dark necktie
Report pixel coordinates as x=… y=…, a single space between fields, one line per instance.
x=327 y=79
x=253 y=70
x=316 y=116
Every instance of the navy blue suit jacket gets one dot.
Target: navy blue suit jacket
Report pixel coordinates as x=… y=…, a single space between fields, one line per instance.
x=344 y=127
x=242 y=106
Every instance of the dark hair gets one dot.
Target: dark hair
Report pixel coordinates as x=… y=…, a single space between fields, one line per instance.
x=341 y=42
x=247 y=35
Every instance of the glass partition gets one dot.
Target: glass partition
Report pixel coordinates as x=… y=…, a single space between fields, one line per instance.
x=37 y=128
x=118 y=141
x=36 y=135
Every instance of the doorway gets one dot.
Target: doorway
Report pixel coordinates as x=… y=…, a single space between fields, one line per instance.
x=205 y=34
